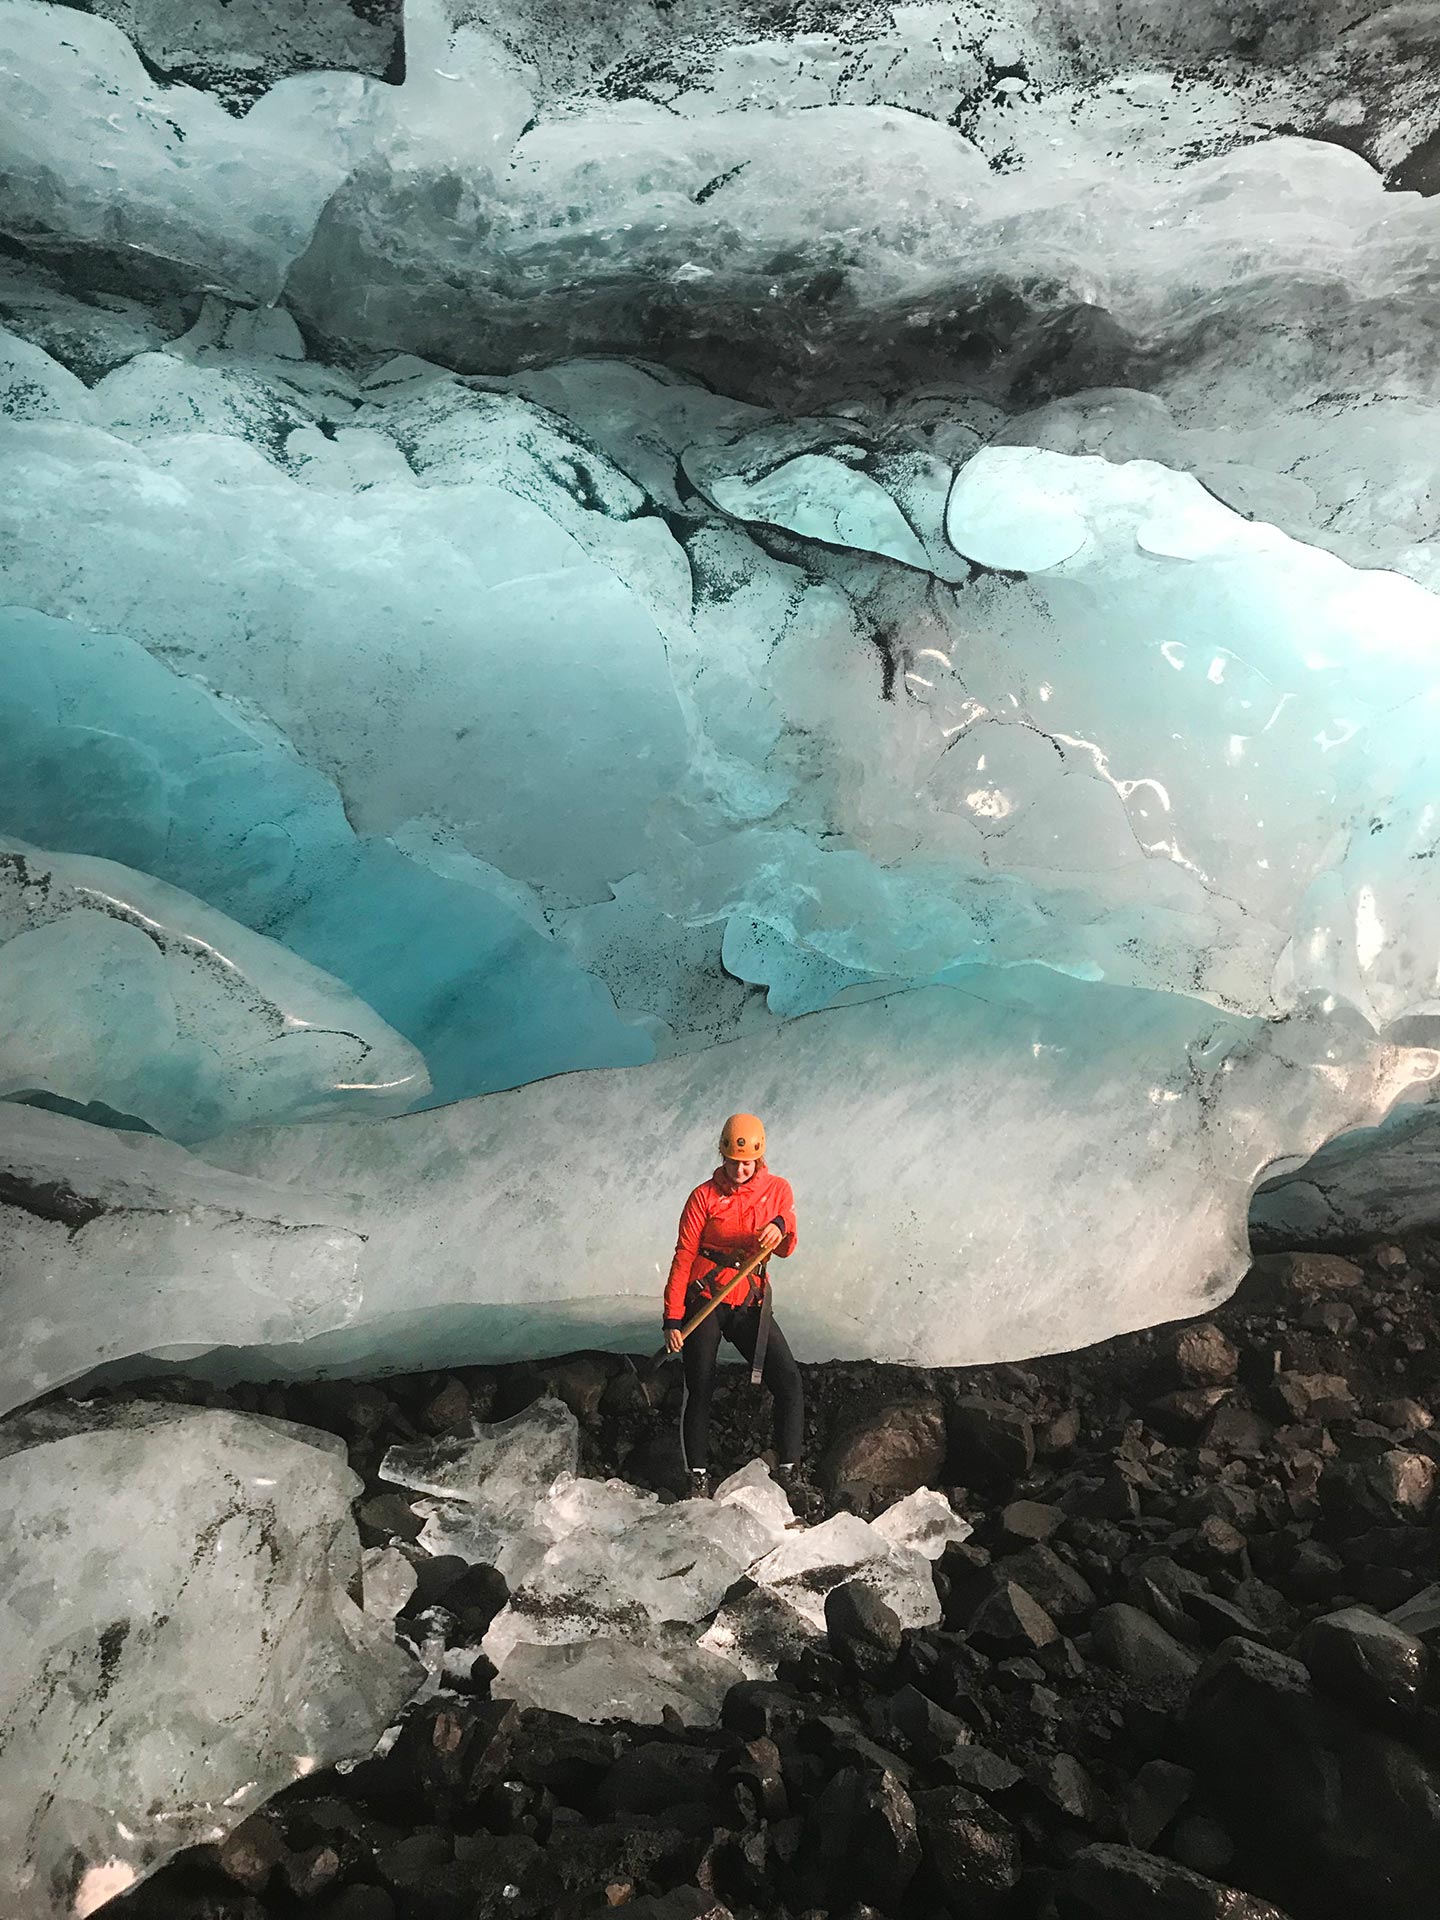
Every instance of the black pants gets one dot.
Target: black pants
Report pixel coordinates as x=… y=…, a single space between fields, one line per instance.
x=739 y=1325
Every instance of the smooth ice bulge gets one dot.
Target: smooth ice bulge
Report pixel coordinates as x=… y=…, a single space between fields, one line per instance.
x=911 y=1126
x=117 y=1242
x=120 y=989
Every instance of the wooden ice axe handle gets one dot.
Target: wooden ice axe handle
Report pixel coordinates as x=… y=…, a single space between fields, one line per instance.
x=741 y=1277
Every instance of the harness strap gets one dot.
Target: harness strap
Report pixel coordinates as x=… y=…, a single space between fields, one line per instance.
x=762 y=1339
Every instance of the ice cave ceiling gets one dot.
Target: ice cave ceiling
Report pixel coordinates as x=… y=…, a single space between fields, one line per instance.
x=569 y=569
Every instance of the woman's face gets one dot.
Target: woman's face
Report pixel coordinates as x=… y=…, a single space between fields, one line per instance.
x=740 y=1170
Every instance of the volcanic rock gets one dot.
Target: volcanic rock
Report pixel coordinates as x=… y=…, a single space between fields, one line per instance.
x=1059 y=1434
x=1025 y=1523
x=1366 y=1661
x=1007 y=1620
x=1163 y=1588
x=1178 y=1416
x=1345 y=1819
x=1053 y=1583
x=1205 y=1357
x=970 y=1851
x=1122 y=1883
x=447 y=1411
x=1419 y=1615
x=860 y=1842
x=654 y=1777
x=250 y=1854
x=1314 y=1396
x=1153 y=1799
x=1303 y=1274
x=864 y=1633
x=1236 y=1429
x=925 y=1728
x=1139 y=1647
x=1060 y=1779
x=991 y=1441
x=896 y=1450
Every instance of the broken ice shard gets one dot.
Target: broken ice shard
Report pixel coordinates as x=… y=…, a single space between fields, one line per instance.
x=176 y=1642
x=491 y=1486
x=614 y=1594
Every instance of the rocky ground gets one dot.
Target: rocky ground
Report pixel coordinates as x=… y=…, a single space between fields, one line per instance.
x=1184 y=1670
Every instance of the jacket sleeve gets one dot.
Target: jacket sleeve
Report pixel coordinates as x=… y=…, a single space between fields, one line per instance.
x=687 y=1245
x=784 y=1218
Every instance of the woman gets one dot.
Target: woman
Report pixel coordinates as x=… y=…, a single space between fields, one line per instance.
x=742 y=1209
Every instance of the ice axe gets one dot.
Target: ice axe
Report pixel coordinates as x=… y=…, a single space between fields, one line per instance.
x=704 y=1313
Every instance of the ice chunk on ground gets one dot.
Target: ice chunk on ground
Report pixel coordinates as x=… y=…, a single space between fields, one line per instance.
x=753 y=1489
x=387 y=1581
x=120 y=989
x=490 y=1487
x=671 y=1564
x=505 y=1467
x=611 y=1679
x=114 y=1241
x=599 y=1620
x=176 y=1645
x=812 y=1560
x=756 y=1629
x=621 y=1604
x=780 y=1606
x=924 y=1522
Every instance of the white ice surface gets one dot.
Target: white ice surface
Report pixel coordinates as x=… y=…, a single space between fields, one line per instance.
x=111 y=1240
x=914 y=1129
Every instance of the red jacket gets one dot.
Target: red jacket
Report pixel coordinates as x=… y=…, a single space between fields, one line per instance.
x=725 y=1219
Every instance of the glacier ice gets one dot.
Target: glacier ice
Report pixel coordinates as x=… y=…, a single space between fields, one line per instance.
x=1153 y=1115
x=176 y=1641
x=115 y=1242
x=121 y=990
x=487 y=1486
x=786 y=567
x=107 y=751
x=1375 y=1183
x=620 y=1679
x=622 y=1606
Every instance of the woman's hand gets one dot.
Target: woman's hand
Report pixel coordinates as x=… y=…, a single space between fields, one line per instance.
x=770 y=1238
x=674 y=1340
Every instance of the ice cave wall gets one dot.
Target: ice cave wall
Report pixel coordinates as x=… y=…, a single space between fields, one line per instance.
x=773 y=575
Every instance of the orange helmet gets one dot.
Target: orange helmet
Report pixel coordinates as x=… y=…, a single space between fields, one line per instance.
x=743 y=1138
